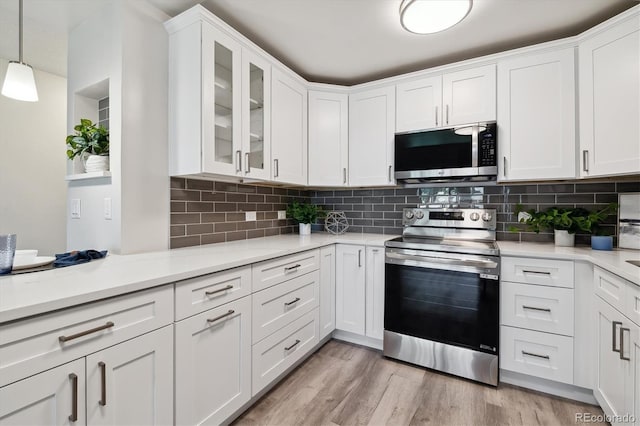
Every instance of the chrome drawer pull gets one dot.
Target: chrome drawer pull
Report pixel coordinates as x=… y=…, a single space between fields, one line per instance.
x=84 y=333
x=74 y=397
x=220 y=290
x=614 y=325
x=291 y=268
x=533 y=308
x=535 y=355
x=292 y=346
x=297 y=299
x=622 y=357
x=524 y=271
x=230 y=312
x=103 y=387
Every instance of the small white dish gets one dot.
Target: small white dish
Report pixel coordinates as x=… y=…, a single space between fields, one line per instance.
x=25 y=256
x=37 y=261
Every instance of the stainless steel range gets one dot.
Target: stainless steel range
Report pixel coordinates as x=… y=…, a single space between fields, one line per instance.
x=442 y=292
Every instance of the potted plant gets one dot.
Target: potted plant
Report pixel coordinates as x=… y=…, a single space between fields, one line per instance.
x=304 y=214
x=590 y=222
x=90 y=143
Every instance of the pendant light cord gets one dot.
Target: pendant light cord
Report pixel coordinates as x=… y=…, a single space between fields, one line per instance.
x=20 y=31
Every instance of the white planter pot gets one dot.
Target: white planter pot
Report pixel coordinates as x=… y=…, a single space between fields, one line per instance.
x=564 y=238
x=96 y=163
x=305 y=229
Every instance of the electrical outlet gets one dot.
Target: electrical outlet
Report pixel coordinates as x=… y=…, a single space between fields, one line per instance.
x=523 y=216
x=250 y=216
x=75 y=208
x=282 y=214
x=107 y=208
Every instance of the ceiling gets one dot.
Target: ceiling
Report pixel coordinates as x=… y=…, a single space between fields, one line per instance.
x=330 y=41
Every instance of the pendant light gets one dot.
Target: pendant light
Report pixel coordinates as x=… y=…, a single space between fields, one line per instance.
x=432 y=16
x=19 y=82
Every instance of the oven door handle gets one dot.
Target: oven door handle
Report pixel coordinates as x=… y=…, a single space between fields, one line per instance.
x=444 y=261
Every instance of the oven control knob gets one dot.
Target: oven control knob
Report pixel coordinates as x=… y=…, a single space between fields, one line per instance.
x=486 y=216
x=474 y=216
x=419 y=214
x=408 y=214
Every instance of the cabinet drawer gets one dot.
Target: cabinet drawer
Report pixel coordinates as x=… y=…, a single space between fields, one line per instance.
x=610 y=287
x=543 y=355
x=632 y=307
x=277 y=306
x=271 y=272
x=540 y=308
x=208 y=291
x=273 y=355
x=36 y=344
x=557 y=273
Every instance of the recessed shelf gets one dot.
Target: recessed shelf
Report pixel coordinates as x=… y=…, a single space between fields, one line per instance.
x=85 y=176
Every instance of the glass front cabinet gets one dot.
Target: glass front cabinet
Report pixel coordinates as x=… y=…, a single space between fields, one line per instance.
x=219 y=103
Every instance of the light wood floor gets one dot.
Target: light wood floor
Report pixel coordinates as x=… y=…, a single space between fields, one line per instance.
x=344 y=384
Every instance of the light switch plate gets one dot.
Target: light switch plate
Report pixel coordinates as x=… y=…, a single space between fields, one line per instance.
x=107 y=209
x=282 y=214
x=75 y=208
x=249 y=216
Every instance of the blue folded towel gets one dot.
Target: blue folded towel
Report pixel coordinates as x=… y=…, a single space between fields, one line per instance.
x=77 y=257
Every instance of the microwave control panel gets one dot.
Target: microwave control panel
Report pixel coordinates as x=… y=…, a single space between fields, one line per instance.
x=487 y=150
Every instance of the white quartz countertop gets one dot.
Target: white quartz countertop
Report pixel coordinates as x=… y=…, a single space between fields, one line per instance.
x=614 y=261
x=35 y=293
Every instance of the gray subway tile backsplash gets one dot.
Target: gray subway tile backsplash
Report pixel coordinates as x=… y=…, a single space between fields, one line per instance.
x=217 y=209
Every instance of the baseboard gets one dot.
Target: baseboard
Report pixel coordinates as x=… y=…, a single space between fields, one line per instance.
x=358 y=339
x=548 y=386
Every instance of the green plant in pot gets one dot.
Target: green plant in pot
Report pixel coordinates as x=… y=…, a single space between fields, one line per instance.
x=560 y=220
x=90 y=143
x=304 y=214
x=590 y=222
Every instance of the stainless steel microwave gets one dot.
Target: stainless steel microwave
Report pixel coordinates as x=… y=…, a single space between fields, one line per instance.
x=464 y=153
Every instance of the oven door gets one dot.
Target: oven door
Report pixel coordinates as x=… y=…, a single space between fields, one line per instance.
x=443 y=297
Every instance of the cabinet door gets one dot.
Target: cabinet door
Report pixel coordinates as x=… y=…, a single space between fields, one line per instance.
x=221 y=102
x=213 y=363
x=328 y=138
x=350 y=288
x=469 y=96
x=256 y=116
x=609 y=101
x=536 y=115
x=54 y=397
x=419 y=104
x=132 y=383
x=327 y=290
x=375 y=292
x=371 y=137
x=612 y=371
x=633 y=386
x=288 y=129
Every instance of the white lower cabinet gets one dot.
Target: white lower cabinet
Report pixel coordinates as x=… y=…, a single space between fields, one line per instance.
x=276 y=353
x=213 y=363
x=350 y=288
x=617 y=387
x=54 y=397
x=374 y=317
x=327 y=290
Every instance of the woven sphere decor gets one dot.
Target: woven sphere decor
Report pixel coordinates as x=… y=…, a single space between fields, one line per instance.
x=336 y=223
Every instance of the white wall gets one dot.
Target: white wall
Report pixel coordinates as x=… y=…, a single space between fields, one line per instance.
x=33 y=165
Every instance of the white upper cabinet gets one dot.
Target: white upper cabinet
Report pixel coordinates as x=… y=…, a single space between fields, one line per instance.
x=610 y=100
x=328 y=138
x=419 y=104
x=447 y=100
x=536 y=116
x=469 y=96
x=371 y=137
x=288 y=129
x=256 y=112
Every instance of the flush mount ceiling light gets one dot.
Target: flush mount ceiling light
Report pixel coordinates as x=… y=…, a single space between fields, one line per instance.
x=19 y=82
x=432 y=16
